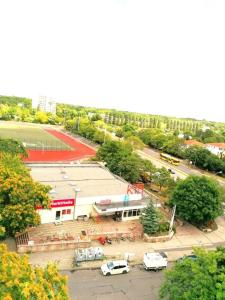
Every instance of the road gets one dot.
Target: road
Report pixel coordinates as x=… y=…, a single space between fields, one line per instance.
x=138 y=284
x=182 y=171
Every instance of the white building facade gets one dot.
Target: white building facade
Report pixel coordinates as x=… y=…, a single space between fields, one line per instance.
x=126 y=207
x=87 y=191
x=216 y=148
x=45 y=104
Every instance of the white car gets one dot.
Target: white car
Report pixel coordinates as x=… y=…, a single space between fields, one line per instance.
x=155 y=261
x=115 y=267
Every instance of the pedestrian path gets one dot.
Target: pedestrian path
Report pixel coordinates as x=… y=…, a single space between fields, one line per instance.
x=182 y=243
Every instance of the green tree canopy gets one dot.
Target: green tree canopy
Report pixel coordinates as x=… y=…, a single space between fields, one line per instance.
x=198 y=200
x=19 y=196
x=135 y=142
x=162 y=178
x=12 y=146
x=19 y=280
x=150 y=219
x=199 y=279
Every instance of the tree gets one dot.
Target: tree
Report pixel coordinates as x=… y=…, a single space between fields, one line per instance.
x=150 y=219
x=12 y=146
x=19 y=280
x=147 y=170
x=12 y=163
x=204 y=159
x=198 y=200
x=19 y=196
x=112 y=152
x=136 y=142
x=41 y=117
x=199 y=279
x=162 y=178
x=129 y=168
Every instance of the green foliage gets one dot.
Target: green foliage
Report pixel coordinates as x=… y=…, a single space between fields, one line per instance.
x=147 y=171
x=12 y=163
x=150 y=219
x=204 y=159
x=16 y=101
x=210 y=136
x=120 y=159
x=135 y=142
x=162 y=178
x=197 y=199
x=199 y=279
x=19 y=280
x=19 y=196
x=129 y=168
x=13 y=147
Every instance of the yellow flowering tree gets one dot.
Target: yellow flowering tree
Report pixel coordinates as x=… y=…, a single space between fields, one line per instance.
x=19 y=196
x=19 y=280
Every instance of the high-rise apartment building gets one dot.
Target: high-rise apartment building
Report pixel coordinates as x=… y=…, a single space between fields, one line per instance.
x=46 y=104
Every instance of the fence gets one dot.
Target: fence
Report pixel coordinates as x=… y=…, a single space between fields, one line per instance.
x=47 y=145
x=53 y=246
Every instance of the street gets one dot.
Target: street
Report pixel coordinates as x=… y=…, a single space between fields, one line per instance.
x=138 y=284
x=181 y=171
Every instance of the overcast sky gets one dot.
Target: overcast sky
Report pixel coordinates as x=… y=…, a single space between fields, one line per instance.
x=159 y=57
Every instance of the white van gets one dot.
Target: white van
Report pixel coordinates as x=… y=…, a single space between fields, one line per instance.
x=115 y=267
x=155 y=261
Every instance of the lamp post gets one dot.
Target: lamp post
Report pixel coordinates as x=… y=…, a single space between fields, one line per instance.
x=77 y=190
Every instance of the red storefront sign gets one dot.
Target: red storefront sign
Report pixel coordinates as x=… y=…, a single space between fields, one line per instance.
x=60 y=203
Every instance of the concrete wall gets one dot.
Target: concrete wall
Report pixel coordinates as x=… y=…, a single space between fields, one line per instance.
x=54 y=246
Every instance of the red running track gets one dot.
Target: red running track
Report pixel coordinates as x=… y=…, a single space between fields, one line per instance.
x=79 y=150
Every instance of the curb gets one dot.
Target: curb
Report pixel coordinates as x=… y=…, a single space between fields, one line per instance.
x=140 y=262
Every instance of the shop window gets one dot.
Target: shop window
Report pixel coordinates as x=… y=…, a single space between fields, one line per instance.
x=68 y=211
x=64 y=212
x=134 y=213
x=125 y=214
x=130 y=213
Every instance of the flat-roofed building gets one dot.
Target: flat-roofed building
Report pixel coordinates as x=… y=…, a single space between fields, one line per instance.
x=87 y=190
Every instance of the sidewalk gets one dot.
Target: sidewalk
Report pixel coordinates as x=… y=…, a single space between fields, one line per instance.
x=185 y=238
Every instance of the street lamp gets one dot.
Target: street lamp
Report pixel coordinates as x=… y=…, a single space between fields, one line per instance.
x=76 y=190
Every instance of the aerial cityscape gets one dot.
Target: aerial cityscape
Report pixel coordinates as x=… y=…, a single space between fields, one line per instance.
x=112 y=150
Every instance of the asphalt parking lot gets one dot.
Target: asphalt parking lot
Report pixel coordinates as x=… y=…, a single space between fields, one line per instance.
x=138 y=284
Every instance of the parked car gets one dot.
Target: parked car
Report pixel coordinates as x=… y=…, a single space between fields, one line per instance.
x=115 y=267
x=155 y=261
x=191 y=256
x=171 y=171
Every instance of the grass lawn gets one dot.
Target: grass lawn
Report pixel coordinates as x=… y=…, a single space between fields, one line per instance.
x=33 y=137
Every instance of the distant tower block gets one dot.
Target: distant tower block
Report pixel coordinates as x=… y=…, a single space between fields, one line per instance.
x=47 y=104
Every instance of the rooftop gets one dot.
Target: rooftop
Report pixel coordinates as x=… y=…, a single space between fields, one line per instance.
x=219 y=145
x=193 y=143
x=91 y=180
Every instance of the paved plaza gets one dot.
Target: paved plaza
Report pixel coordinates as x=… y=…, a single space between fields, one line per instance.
x=185 y=238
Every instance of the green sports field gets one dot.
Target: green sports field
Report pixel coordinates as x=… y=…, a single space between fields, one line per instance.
x=33 y=136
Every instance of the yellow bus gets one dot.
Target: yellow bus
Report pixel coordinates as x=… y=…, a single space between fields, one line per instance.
x=170 y=159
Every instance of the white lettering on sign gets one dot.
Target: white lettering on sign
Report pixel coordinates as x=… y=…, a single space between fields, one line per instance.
x=62 y=203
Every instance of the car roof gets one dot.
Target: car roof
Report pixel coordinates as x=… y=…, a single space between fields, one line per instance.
x=119 y=262
x=152 y=255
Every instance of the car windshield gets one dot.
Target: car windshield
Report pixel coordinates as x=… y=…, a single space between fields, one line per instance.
x=110 y=265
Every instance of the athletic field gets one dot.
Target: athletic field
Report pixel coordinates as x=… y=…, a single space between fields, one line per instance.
x=45 y=144
x=33 y=137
